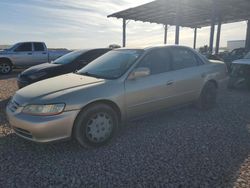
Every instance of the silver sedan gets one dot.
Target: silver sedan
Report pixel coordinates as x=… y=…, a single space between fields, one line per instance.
x=92 y=104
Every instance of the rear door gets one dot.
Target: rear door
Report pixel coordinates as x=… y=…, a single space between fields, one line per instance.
x=40 y=53
x=154 y=91
x=23 y=54
x=188 y=74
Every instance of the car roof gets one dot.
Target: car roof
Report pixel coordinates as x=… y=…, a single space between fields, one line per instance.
x=153 y=47
x=30 y=42
x=89 y=49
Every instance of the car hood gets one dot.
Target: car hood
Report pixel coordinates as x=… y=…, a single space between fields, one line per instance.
x=54 y=85
x=39 y=68
x=242 y=61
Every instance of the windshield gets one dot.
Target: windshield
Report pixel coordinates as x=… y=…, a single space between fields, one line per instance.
x=11 y=47
x=247 y=56
x=68 y=58
x=112 y=65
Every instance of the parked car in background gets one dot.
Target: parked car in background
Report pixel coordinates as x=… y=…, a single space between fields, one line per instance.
x=68 y=63
x=240 y=74
x=214 y=57
x=91 y=104
x=235 y=54
x=27 y=54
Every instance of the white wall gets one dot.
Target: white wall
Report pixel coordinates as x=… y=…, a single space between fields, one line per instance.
x=231 y=45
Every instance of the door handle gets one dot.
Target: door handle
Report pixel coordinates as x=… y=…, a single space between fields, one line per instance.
x=29 y=53
x=169 y=83
x=44 y=53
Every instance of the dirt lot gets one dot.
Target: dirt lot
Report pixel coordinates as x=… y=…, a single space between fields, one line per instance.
x=180 y=148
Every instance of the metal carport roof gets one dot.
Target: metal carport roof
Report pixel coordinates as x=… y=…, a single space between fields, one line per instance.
x=192 y=13
x=188 y=13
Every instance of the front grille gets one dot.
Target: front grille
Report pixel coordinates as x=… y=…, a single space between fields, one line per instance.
x=23 y=132
x=13 y=106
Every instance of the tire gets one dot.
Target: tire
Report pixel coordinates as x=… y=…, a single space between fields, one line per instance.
x=95 y=126
x=208 y=97
x=5 y=67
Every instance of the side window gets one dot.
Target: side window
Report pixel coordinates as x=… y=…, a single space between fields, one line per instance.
x=92 y=55
x=158 y=61
x=100 y=52
x=183 y=58
x=39 y=47
x=25 y=47
x=89 y=56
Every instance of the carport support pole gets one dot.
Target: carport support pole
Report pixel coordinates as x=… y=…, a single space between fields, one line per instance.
x=213 y=17
x=177 y=23
x=124 y=33
x=211 y=44
x=177 y=34
x=195 y=37
x=165 y=34
x=248 y=36
x=218 y=38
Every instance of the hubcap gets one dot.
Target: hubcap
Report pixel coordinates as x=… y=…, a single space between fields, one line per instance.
x=99 y=127
x=4 y=67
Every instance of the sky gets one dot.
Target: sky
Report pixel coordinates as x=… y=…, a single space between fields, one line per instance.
x=76 y=24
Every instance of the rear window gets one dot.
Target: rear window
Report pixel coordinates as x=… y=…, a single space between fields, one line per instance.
x=183 y=58
x=93 y=54
x=38 y=46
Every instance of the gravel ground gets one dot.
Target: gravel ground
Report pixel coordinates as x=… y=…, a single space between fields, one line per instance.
x=179 y=148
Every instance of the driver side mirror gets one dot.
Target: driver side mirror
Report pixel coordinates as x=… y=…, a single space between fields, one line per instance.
x=139 y=73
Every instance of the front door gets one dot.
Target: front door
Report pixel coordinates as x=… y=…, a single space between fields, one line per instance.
x=153 y=92
x=23 y=54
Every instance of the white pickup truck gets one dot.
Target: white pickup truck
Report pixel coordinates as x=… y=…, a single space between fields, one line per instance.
x=27 y=54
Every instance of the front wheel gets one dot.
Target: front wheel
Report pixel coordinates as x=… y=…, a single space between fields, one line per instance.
x=95 y=126
x=5 y=67
x=208 y=97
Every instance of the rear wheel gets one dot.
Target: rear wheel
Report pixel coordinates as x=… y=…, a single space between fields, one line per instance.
x=207 y=99
x=5 y=67
x=95 y=126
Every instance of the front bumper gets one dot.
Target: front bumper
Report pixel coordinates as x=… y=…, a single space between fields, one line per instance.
x=42 y=128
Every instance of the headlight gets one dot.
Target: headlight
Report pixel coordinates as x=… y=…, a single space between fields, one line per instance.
x=37 y=75
x=44 y=110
